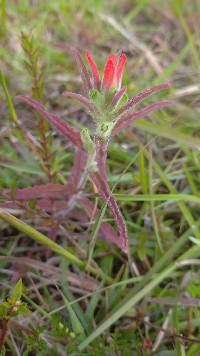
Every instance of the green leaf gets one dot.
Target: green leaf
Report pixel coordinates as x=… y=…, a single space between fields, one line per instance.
x=23 y=310
x=17 y=292
x=157 y=197
x=23 y=168
x=126 y=305
x=76 y=323
x=3 y=309
x=88 y=144
x=13 y=114
x=142 y=171
x=96 y=297
x=95 y=96
x=169 y=133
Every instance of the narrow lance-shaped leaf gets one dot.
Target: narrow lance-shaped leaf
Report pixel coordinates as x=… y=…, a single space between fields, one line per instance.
x=85 y=101
x=53 y=191
x=125 y=120
x=3 y=83
x=42 y=193
x=72 y=134
x=117 y=97
x=141 y=96
x=75 y=176
x=95 y=72
x=84 y=73
x=59 y=207
x=101 y=156
x=17 y=292
x=87 y=283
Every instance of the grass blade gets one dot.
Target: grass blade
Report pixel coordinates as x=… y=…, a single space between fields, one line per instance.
x=3 y=17
x=121 y=310
x=132 y=300
x=167 y=132
x=13 y=114
x=157 y=197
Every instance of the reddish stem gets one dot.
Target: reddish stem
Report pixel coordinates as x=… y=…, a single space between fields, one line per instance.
x=3 y=332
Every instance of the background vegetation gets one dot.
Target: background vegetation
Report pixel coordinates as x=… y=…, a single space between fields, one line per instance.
x=147 y=304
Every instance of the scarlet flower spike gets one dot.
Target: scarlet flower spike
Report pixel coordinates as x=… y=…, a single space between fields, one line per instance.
x=94 y=69
x=120 y=67
x=109 y=72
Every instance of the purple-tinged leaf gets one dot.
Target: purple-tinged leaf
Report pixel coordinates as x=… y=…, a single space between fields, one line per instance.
x=68 y=131
x=101 y=156
x=48 y=191
x=125 y=120
x=59 y=207
x=88 y=283
x=117 y=97
x=141 y=96
x=9 y=205
x=44 y=194
x=74 y=180
x=85 y=101
x=84 y=73
x=77 y=214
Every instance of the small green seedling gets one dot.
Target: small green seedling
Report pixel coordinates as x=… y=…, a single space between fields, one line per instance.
x=10 y=308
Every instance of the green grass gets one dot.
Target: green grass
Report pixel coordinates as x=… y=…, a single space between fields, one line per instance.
x=85 y=295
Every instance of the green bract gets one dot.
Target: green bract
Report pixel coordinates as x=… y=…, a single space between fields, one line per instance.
x=104 y=129
x=88 y=144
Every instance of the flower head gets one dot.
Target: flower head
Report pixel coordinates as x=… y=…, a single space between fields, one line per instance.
x=113 y=70
x=106 y=101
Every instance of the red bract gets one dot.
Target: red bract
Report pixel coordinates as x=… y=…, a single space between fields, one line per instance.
x=109 y=74
x=119 y=69
x=94 y=69
x=113 y=71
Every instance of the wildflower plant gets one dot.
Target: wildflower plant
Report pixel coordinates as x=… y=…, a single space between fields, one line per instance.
x=112 y=111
